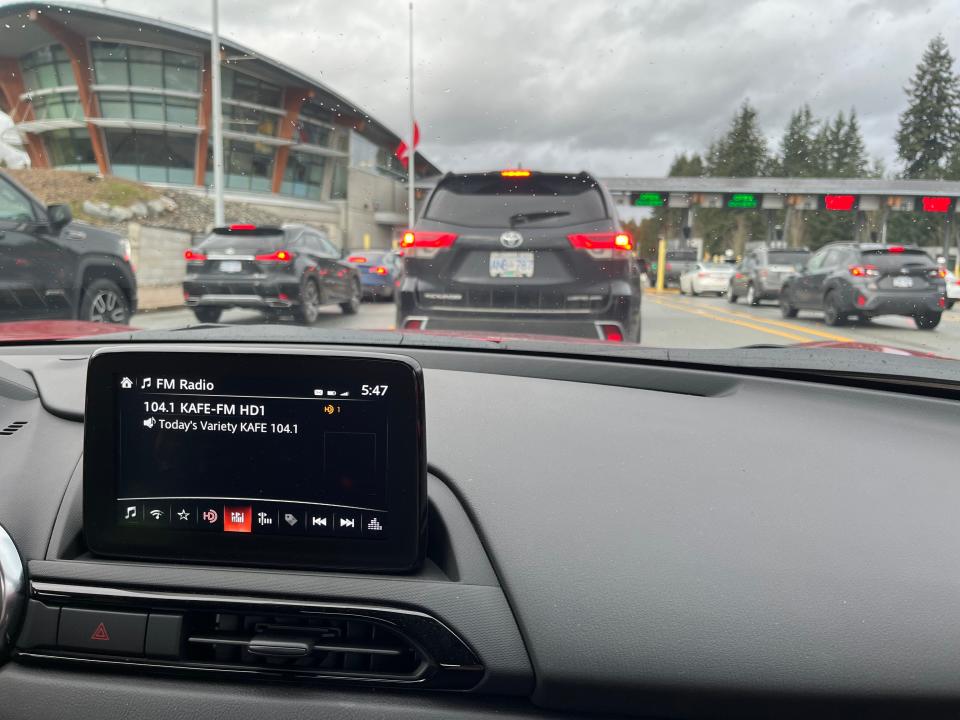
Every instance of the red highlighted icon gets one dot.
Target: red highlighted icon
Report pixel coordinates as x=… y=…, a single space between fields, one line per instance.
x=100 y=633
x=237 y=518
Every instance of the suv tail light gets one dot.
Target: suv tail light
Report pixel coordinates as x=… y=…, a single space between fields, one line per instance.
x=281 y=256
x=864 y=270
x=602 y=245
x=610 y=331
x=938 y=273
x=378 y=270
x=193 y=256
x=423 y=244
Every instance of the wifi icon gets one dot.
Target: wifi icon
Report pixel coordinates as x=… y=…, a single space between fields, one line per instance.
x=157 y=514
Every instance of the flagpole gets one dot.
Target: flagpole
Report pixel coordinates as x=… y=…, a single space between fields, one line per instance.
x=412 y=152
x=217 y=113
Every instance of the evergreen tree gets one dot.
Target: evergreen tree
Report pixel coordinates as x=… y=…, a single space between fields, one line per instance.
x=742 y=152
x=930 y=126
x=798 y=152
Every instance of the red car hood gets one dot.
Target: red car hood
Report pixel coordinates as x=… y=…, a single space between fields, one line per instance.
x=56 y=330
x=872 y=347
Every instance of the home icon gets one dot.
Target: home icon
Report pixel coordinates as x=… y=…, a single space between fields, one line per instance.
x=126 y=383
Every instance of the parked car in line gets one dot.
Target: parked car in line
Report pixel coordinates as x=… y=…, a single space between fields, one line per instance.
x=379 y=272
x=290 y=269
x=519 y=251
x=706 y=278
x=864 y=280
x=953 y=289
x=53 y=267
x=761 y=273
x=676 y=263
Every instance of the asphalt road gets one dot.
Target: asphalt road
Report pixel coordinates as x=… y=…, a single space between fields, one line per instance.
x=670 y=320
x=673 y=320
x=372 y=316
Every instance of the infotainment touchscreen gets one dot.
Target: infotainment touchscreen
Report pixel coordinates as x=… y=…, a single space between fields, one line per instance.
x=291 y=459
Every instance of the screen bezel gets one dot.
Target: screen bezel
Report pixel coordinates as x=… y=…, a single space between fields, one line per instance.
x=407 y=500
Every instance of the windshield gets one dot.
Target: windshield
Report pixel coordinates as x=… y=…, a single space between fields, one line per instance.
x=504 y=172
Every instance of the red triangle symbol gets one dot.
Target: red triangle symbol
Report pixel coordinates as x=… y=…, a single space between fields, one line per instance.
x=100 y=633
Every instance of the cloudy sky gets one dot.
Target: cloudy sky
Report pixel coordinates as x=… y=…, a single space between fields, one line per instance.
x=611 y=87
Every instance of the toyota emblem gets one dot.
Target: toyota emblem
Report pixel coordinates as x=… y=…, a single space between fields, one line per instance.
x=511 y=239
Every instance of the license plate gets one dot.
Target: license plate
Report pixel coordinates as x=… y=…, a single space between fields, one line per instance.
x=511 y=264
x=231 y=266
x=903 y=281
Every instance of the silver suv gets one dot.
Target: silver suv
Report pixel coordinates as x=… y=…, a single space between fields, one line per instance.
x=762 y=272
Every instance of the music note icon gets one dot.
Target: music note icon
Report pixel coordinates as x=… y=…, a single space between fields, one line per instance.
x=131 y=513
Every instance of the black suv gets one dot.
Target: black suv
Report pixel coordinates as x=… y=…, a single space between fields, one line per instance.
x=290 y=269
x=54 y=268
x=522 y=252
x=865 y=280
x=762 y=272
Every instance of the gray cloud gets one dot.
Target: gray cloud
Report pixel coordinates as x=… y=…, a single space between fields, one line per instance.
x=614 y=87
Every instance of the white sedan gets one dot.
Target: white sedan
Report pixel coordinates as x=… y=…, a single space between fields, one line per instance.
x=706 y=277
x=953 y=289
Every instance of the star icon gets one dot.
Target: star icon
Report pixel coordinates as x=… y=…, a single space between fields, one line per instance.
x=183 y=515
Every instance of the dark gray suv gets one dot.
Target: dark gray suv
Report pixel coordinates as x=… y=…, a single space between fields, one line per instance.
x=864 y=280
x=761 y=273
x=524 y=252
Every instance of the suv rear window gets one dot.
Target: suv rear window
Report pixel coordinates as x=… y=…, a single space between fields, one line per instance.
x=787 y=258
x=537 y=201
x=885 y=261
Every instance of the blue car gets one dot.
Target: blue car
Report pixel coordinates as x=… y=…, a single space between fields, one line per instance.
x=379 y=272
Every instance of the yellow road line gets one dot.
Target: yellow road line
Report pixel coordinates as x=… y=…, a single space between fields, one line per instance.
x=780 y=323
x=788 y=325
x=752 y=326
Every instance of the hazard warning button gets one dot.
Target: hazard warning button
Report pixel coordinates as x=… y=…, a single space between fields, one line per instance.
x=114 y=633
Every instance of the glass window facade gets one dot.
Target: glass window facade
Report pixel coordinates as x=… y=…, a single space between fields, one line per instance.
x=70 y=149
x=148 y=106
x=246 y=166
x=303 y=177
x=311 y=134
x=250 y=121
x=133 y=65
x=246 y=88
x=152 y=156
x=338 y=190
x=365 y=154
x=58 y=106
x=47 y=67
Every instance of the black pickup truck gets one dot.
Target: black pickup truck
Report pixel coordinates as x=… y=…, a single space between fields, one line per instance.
x=54 y=267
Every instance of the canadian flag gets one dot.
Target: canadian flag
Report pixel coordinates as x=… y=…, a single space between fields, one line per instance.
x=403 y=152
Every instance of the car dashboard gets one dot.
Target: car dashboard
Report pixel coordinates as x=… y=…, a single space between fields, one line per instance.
x=604 y=537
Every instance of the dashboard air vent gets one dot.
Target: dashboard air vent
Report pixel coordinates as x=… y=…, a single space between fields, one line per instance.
x=13 y=427
x=195 y=633
x=356 y=647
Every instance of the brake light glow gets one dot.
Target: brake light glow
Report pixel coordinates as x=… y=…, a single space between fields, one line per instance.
x=194 y=256
x=423 y=244
x=864 y=270
x=861 y=300
x=243 y=226
x=942 y=302
x=514 y=173
x=283 y=256
x=936 y=204
x=611 y=332
x=839 y=202
x=938 y=273
x=356 y=259
x=415 y=324
x=895 y=248
x=379 y=270
x=607 y=241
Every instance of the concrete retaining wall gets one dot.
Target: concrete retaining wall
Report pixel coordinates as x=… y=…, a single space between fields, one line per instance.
x=157 y=255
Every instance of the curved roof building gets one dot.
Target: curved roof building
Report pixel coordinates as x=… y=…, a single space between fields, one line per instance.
x=93 y=89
